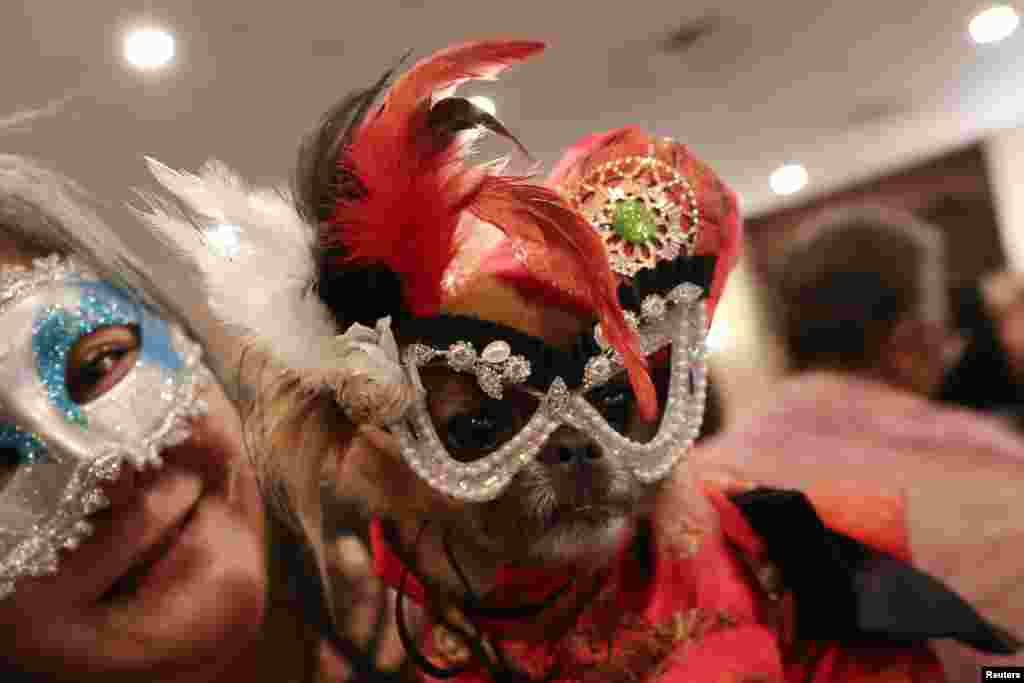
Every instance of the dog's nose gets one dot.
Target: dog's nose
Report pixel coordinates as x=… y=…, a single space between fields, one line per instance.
x=569 y=447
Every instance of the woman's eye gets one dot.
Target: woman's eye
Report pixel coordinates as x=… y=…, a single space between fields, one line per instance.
x=473 y=432
x=98 y=361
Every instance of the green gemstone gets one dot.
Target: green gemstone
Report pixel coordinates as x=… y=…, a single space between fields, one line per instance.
x=634 y=222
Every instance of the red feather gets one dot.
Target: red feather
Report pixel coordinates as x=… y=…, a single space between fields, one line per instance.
x=415 y=184
x=572 y=261
x=591 y=150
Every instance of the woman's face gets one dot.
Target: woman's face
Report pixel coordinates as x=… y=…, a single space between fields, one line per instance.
x=171 y=581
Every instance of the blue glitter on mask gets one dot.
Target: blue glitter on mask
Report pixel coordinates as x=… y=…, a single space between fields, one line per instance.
x=58 y=328
x=29 y=448
x=156 y=342
x=154 y=332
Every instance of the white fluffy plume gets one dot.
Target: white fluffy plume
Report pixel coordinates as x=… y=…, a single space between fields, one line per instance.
x=261 y=287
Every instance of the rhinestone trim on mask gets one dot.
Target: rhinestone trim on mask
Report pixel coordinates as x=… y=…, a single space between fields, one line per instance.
x=654 y=309
x=494 y=367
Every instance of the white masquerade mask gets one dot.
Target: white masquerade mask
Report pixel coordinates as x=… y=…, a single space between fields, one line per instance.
x=57 y=452
x=677 y=320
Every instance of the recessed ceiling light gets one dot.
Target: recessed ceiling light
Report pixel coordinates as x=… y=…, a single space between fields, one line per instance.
x=485 y=103
x=788 y=179
x=994 y=24
x=149 y=48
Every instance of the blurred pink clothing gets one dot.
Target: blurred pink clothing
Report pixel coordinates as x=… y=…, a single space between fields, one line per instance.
x=958 y=477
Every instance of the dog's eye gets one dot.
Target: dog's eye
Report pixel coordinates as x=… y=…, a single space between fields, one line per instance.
x=469 y=433
x=615 y=403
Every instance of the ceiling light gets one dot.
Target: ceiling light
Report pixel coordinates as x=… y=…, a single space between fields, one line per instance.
x=994 y=24
x=149 y=48
x=788 y=179
x=485 y=103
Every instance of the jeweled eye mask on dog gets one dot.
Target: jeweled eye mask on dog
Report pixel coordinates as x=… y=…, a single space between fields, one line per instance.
x=394 y=223
x=637 y=205
x=560 y=382
x=90 y=379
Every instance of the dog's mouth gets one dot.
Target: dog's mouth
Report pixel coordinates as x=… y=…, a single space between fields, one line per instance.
x=587 y=493
x=587 y=513
x=540 y=511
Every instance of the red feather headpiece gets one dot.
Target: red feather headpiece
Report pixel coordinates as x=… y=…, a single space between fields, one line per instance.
x=414 y=185
x=413 y=190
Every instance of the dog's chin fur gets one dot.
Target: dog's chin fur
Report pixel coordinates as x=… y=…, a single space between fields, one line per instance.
x=537 y=522
x=574 y=541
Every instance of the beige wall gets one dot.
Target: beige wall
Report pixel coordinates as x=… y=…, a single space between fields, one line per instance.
x=1004 y=152
x=745 y=360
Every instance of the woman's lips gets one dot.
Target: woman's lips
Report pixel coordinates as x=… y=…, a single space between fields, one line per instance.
x=143 y=570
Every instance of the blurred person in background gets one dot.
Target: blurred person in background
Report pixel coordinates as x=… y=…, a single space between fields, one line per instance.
x=863 y=312
x=990 y=374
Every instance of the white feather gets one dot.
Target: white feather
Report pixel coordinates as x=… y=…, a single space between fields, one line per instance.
x=263 y=288
x=21 y=120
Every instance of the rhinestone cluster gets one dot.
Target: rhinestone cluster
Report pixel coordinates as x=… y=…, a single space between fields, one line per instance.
x=494 y=367
x=653 y=309
x=644 y=210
